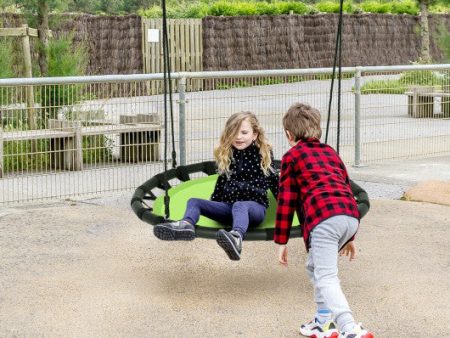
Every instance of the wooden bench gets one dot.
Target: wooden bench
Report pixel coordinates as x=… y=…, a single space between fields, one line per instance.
x=421 y=102
x=139 y=141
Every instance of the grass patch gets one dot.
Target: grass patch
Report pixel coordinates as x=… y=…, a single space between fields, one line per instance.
x=425 y=78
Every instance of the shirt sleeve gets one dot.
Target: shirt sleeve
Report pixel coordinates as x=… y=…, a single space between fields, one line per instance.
x=287 y=200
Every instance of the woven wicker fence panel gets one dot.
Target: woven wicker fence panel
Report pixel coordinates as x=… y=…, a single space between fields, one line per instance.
x=291 y=41
x=436 y=24
x=113 y=42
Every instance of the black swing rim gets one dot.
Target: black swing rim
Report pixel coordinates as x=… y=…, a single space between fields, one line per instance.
x=160 y=182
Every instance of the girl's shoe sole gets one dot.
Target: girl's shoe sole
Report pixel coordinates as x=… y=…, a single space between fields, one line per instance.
x=227 y=245
x=166 y=233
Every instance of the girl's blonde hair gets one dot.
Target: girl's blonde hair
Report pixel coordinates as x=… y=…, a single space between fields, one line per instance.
x=223 y=152
x=302 y=121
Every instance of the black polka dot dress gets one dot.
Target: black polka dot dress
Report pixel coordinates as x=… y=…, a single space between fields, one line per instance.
x=246 y=181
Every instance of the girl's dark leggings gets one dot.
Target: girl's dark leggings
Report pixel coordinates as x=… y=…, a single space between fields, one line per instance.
x=239 y=214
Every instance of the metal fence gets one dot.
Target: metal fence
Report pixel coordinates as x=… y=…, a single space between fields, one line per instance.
x=89 y=135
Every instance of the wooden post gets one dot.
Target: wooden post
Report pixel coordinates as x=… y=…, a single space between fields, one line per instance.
x=420 y=103
x=67 y=153
x=78 y=147
x=445 y=103
x=31 y=112
x=139 y=146
x=148 y=149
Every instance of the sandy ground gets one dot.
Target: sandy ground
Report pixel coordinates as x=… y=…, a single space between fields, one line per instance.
x=80 y=269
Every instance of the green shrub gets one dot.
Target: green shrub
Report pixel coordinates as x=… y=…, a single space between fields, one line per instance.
x=245 y=8
x=404 y=7
x=383 y=87
x=26 y=156
x=421 y=77
x=222 y=8
x=264 y=8
x=6 y=70
x=295 y=7
x=6 y=58
x=334 y=6
x=197 y=10
x=400 y=86
x=64 y=60
x=376 y=7
x=440 y=8
x=444 y=41
x=232 y=84
x=202 y=8
x=153 y=12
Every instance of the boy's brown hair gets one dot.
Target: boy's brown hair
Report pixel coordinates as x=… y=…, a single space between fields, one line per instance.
x=302 y=121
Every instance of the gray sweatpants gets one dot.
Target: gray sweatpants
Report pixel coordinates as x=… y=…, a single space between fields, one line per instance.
x=326 y=239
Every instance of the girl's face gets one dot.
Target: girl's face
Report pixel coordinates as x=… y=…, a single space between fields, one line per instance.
x=245 y=136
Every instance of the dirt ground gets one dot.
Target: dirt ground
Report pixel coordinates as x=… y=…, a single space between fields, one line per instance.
x=77 y=269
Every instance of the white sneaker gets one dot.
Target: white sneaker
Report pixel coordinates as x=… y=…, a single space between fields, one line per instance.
x=316 y=330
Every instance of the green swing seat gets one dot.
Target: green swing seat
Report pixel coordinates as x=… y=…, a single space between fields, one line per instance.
x=202 y=188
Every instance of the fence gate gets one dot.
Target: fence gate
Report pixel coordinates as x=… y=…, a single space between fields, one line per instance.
x=185 y=48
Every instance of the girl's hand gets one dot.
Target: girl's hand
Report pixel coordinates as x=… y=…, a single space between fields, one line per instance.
x=348 y=250
x=282 y=254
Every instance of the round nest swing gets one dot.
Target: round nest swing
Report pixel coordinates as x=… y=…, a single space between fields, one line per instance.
x=151 y=208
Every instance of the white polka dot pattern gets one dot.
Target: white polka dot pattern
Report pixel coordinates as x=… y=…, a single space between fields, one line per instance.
x=247 y=181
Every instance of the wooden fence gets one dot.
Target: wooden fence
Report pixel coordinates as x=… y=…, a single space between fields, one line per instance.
x=185 y=49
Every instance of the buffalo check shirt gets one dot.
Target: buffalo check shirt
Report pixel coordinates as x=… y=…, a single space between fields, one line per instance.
x=315 y=184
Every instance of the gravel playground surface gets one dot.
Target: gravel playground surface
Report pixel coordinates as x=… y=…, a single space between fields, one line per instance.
x=91 y=268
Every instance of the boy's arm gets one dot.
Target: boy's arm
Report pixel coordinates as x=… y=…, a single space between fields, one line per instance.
x=287 y=200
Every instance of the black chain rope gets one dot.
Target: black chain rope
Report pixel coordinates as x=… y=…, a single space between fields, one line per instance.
x=167 y=88
x=336 y=62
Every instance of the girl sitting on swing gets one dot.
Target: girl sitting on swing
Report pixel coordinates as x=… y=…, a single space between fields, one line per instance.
x=244 y=162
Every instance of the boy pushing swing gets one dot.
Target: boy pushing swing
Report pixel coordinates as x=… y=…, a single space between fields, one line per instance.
x=315 y=184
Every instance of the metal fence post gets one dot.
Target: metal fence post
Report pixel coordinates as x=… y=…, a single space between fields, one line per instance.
x=358 y=116
x=182 y=119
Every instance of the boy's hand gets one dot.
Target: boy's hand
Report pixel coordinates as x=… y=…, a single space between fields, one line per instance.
x=282 y=254
x=348 y=250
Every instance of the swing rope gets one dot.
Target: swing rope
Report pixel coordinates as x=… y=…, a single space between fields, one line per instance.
x=337 y=60
x=167 y=88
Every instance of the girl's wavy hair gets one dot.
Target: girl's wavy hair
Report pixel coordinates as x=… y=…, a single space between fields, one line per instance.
x=223 y=152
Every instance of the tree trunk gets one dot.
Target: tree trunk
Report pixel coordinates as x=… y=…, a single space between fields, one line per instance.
x=43 y=36
x=425 y=56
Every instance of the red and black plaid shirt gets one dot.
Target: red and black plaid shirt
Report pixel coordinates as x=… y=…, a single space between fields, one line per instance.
x=314 y=183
